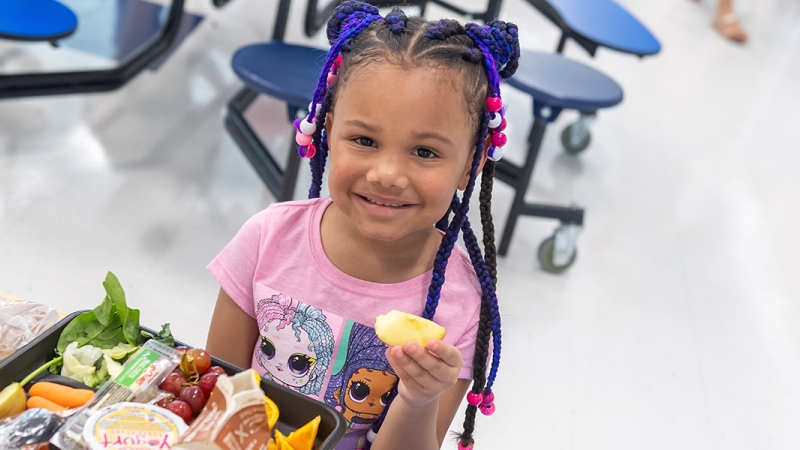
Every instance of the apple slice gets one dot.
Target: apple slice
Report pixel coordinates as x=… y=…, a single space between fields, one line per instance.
x=397 y=328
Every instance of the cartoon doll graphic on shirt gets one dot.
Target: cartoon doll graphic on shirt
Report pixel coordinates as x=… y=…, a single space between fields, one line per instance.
x=365 y=382
x=296 y=344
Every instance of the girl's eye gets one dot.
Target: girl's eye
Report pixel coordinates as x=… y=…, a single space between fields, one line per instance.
x=359 y=391
x=386 y=398
x=300 y=363
x=424 y=153
x=365 y=141
x=267 y=348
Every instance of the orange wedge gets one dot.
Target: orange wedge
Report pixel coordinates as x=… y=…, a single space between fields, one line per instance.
x=279 y=442
x=272 y=411
x=303 y=437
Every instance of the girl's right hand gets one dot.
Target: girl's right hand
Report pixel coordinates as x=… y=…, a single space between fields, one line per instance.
x=425 y=373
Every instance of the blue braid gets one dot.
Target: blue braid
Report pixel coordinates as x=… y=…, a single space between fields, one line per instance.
x=450 y=237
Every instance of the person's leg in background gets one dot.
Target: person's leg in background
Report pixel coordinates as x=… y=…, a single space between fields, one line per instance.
x=727 y=23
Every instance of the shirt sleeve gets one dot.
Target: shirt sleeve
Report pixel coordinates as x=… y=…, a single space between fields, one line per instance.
x=235 y=267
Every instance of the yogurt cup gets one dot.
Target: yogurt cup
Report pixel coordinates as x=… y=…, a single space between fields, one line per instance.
x=133 y=426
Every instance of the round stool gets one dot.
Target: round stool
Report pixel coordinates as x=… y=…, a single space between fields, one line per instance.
x=283 y=71
x=36 y=20
x=556 y=83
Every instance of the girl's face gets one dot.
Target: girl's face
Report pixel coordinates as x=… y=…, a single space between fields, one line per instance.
x=284 y=358
x=400 y=145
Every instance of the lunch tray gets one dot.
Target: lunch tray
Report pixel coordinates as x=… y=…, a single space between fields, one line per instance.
x=295 y=409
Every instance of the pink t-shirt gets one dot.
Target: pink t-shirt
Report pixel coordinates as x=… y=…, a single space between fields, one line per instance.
x=316 y=321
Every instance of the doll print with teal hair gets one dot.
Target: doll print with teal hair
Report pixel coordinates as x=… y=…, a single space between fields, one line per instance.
x=296 y=344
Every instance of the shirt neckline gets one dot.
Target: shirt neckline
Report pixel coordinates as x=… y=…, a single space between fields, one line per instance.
x=333 y=274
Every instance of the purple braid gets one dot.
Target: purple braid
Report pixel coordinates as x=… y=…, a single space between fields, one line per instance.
x=451 y=236
x=349 y=20
x=317 y=162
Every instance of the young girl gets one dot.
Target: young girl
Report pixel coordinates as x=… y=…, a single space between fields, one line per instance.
x=408 y=111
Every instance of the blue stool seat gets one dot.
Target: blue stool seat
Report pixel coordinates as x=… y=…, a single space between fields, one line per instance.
x=559 y=82
x=556 y=83
x=36 y=20
x=608 y=24
x=284 y=71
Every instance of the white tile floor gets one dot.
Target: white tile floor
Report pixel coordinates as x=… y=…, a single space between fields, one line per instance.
x=676 y=329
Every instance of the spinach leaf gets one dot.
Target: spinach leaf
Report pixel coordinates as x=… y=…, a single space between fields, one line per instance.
x=130 y=329
x=86 y=329
x=105 y=311
x=164 y=336
x=129 y=317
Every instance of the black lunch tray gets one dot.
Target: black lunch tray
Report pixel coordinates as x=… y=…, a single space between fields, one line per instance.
x=295 y=409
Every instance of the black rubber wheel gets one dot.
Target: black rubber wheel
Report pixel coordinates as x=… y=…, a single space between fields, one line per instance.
x=567 y=142
x=545 y=254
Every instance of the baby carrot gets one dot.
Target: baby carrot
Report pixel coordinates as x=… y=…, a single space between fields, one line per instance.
x=39 y=402
x=61 y=395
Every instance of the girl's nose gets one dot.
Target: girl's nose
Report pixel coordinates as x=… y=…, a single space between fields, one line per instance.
x=387 y=170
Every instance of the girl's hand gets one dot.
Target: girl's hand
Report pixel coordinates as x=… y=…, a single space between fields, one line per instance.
x=425 y=373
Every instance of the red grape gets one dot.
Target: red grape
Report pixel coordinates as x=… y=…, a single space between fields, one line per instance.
x=194 y=397
x=164 y=401
x=216 y=369
x=181 y=409
x=173 y=383
x=195 y=360
x=207 y=382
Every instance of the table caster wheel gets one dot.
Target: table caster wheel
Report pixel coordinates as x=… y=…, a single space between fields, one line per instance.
x=546 y=253
x=574 y=141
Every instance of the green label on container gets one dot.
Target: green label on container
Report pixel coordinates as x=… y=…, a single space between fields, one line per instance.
x=136 y=367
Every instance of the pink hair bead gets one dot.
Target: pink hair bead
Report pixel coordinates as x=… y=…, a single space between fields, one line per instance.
x=488 y=398
x=337 y=63
x=332 y=77
x=494 y=104
x=487 y=410
x=503 y=125
x=461 y=446
x=302 y=139
x=499 y=139
x=474 y=399
x=311 y=150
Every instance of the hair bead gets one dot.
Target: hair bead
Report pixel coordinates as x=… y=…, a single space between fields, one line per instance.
x=307 y=126
x=495 y=153
x=302 y=139
x=494 y=104
x=487 y=410
x=499 y=139
x=462 y=446
x=474 y=399
x=496 y=120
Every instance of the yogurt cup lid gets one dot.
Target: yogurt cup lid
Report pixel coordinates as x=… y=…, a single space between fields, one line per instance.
x=133 y=426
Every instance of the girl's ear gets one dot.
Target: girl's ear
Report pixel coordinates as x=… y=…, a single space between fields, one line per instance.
x=465 y=178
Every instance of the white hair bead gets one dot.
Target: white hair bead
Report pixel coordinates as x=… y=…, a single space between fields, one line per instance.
x=371 y=435
x=495 y=153
x=495 y=121
x=307 y=127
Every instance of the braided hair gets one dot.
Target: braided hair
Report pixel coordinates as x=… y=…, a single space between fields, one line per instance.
x=483 y=55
